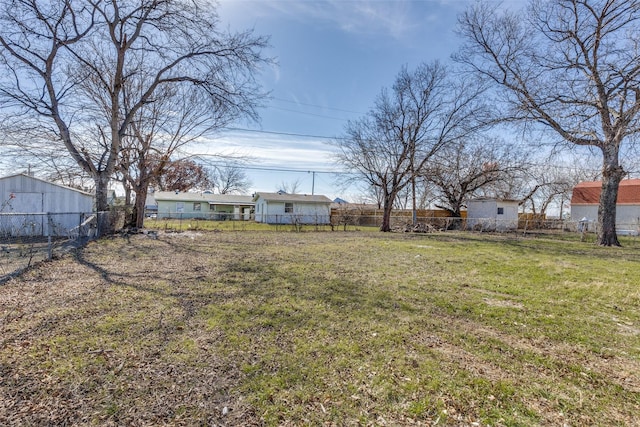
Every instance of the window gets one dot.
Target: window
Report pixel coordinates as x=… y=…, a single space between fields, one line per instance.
x=197 y=206
x=212 y=207
x=179 y=206
x=288 y=208
x=500 y=211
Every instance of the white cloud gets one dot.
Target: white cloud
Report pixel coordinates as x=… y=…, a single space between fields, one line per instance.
x=266 y=150
x=364 y=17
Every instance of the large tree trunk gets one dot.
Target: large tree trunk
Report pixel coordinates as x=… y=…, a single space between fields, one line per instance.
x=414 y=212
x=386 y=212
x=612 y=174
x=102 y=191
x=127 y=192
x=102 y=202
x=141 y=198
x=141 y=187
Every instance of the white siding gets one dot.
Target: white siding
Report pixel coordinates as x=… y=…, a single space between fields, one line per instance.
x=202 y=205
x=627 y=216
x=27 y=195
x=35 y=195
x=273 y=212
x=484 y=214
x=578 y=212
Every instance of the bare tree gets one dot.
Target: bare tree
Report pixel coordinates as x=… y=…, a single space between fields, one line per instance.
x=290 y=187
x=66 y=66
x=423 y=112
x=229 y=178
x=572 y=66
x=466 y=167
x=40 y=158
x=542 y=186
x=372 y=195
x=179 y=116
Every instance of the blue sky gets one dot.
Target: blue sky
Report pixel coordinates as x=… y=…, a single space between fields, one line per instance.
x=333 y=58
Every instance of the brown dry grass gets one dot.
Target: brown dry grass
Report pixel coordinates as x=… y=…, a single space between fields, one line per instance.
x=99 y=338
x=318 y=328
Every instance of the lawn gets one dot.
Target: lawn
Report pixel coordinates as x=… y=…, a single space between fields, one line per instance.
x=324 y=328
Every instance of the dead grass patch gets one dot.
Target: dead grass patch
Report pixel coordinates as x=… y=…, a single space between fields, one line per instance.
x=265 y=328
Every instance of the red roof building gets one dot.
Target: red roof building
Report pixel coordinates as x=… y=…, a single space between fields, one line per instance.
x=588 y=193
x=586 y=197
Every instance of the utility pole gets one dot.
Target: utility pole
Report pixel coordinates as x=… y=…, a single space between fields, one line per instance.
x=313 y=182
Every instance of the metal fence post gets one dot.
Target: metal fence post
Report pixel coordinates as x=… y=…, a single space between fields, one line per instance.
x=49 y=243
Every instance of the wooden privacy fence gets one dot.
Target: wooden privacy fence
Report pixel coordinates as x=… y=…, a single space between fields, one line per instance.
x=438 y=218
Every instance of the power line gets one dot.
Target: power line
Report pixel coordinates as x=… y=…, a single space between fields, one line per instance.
x=269 y=132
x=243 y=165
x=265 y=168
x=342 y=119
x=317 y=106
x=334 y=138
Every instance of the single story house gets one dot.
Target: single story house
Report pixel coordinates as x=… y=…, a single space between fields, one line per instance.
x=150 y=205
x=205 y=205
x=488 y=214
x=31 y=206
x=283 y=208
x=586 y=198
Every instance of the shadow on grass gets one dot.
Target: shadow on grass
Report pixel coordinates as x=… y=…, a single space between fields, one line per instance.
x=187 y=297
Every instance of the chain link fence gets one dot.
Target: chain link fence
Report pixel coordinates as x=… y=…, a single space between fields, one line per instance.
x=195 y=221
x=351 y=220
x=27 y=238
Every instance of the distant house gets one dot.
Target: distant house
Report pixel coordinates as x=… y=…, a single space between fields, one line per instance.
x=492 y=214
x=283 y=208
x=204 y=205
x=45 y=208
x=150 y=205
x=586 y=197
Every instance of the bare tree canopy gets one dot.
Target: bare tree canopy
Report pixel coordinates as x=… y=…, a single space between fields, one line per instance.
x=423 y=112
x=229 y=178
x=572 y=66
x=179 y=115
x=470 y=166
x=80 y=72
x=290 y=187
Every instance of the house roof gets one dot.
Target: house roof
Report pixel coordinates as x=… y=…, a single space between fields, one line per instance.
x=25 y=176
x=493 y=199
x=588 y=193
x=212 y=199
x=284 y=197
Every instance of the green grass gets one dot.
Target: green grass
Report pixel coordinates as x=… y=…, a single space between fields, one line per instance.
x=327 y=328
x=170 y=224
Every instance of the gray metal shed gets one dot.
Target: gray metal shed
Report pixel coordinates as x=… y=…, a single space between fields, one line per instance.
x=33 y=206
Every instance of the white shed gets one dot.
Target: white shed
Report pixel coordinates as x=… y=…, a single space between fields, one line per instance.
x=492 y=214
x=283 y=208
x=35 y=207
